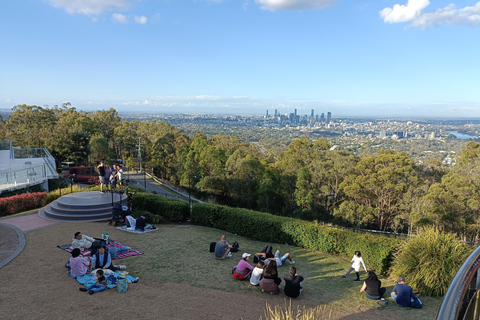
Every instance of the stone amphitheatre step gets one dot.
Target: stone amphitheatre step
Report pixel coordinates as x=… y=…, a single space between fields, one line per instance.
x=82 y=206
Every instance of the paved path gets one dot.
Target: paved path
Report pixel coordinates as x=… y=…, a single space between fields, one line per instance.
x=12 y=238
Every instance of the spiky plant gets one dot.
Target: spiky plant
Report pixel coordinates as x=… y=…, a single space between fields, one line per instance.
x=429 y=261
x=288 y=313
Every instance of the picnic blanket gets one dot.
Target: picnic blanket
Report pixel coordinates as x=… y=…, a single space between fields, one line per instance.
x=124 y=228
x=89 y=279
x=86 y=253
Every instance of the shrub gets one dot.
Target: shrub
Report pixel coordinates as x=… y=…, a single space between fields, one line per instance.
x=171 y=209
x=287 y=312
x=150 y=217
x=376 y=251
x=429 y=261
x=54 y=195
x=21 y=202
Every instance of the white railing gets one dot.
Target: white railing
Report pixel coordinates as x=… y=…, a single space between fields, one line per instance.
x=21 y=178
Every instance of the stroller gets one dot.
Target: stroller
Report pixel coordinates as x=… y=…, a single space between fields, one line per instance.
x=119 y=213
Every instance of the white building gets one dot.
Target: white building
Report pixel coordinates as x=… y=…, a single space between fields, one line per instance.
x=25 y=167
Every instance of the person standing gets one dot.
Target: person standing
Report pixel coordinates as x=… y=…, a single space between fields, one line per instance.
x=357 y=261
x=101 y=175
x=293 y=283
x=403 y=295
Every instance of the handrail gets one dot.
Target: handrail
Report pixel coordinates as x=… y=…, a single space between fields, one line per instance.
x=461 y=300
x=69 y=178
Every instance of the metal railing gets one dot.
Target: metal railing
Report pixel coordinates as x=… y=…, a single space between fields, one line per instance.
x=462 y=300
x=14 y=179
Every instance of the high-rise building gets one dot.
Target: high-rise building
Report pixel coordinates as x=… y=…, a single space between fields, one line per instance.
x=322 y=117
x=312 y=114
x=267 y=112
x=295 y=112
x=329 y=117
x=276 y=113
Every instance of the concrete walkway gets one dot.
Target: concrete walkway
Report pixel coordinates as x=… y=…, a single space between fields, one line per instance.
x=12 y=237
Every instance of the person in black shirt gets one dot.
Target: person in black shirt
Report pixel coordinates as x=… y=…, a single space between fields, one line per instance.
x=101 y=175
x=373 y=287
x=293 y=283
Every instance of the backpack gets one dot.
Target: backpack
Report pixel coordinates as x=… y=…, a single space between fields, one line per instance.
x=212 y=246
x=235 y=247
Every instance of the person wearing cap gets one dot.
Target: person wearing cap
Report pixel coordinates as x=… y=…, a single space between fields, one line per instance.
x=244 y=269
x=101 y=175
x=403 y=295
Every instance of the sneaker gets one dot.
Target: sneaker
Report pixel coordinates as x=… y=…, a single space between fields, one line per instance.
x=121 y=267
x=83 y=289
x=229 y=255
x=90 y=292
x=263 y=290
x=292 y=262
x=357 y=280
x=273 y=293
x=101 y=192
x=344 y=277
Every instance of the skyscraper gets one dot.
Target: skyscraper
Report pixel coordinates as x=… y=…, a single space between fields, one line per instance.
x=329 y=117
x=322 y=117
x=295 y=112
x=312 y=114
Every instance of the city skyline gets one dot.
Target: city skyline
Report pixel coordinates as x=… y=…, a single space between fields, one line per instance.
x=392 y=58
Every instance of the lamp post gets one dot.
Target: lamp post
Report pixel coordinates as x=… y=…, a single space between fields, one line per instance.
x=326 y=206
x=189 y=189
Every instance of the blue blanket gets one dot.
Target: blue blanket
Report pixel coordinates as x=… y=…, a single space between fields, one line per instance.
x=88 y=280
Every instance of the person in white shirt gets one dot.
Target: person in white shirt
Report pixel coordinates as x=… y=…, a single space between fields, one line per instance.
x=357 y=261
x=257 y=274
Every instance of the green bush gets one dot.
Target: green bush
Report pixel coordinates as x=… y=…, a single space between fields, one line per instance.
x=171 y=209
x=54 y=195
x=376 y=251
x=150 y=217
x=429 y=261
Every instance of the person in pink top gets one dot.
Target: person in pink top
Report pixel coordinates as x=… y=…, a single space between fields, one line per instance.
x=244 y=269
x=78 y=264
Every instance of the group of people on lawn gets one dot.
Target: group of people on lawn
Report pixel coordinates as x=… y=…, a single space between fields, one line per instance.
x=265 y=275
x=100 y=260
x=402 y=293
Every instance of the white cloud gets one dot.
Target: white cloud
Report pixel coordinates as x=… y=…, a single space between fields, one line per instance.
x=90 y=8
x=469 y=16
x=119 y=18
x=141 y=19
x=403 y=13
x=279 y=5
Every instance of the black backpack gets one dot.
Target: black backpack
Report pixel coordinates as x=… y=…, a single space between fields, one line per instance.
x=235 y=247
x=212 y=246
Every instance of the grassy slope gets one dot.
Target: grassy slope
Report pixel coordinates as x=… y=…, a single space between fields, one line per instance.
x=180 y=254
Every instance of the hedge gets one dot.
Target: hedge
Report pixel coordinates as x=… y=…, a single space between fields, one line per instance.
x=21 y=202
x=376 y=251
x=171 y=209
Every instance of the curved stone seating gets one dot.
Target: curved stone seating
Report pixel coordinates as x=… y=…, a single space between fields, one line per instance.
x=82 y=206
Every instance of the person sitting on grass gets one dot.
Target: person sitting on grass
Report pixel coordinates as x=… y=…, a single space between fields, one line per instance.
x=243 y=270
x=222 y=249
x=270 y=281
x=293 y=283
x=373 y=287
x=356 y=261
x=99 y=285
x=103 y=260
x=403 y=295
x=78 y=264
x=82 y=241
x=257 y=273
x=280 y=260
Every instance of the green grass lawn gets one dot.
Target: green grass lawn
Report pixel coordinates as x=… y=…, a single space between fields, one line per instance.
x=180 y=254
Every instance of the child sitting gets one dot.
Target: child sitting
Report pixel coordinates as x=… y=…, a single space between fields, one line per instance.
x=78 y=264
x=99 y=285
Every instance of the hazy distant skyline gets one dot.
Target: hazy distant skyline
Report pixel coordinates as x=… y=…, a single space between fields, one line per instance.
x=352 y=58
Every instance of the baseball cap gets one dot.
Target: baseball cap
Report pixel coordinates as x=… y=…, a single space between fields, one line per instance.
x=246 y=255
x=400 y=279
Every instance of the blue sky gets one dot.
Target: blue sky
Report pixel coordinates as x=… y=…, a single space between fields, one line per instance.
x=379 y=58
